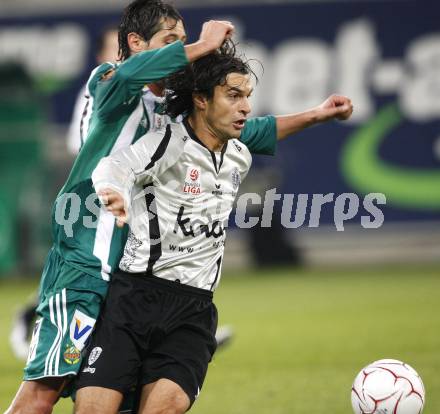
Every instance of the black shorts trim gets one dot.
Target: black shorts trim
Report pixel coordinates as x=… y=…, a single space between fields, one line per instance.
x=92 y=382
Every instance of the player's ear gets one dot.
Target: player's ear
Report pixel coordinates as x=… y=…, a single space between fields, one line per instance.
x=199 y=101
x=136 y=43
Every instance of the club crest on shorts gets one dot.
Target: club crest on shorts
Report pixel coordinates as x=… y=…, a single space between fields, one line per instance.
x=94 y=355
x=80 y=329
x=192 y=181
x=72 y=355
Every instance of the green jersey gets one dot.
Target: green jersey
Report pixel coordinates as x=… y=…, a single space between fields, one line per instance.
x=123 y=110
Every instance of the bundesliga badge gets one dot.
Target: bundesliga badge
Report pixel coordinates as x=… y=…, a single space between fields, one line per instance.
x=192 y=181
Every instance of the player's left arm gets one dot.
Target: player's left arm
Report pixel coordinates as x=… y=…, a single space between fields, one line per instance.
x=261 y=134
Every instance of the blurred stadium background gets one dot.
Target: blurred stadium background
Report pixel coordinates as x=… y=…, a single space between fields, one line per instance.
x=310 y=305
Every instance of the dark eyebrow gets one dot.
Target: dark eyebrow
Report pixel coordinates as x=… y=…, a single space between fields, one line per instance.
x=235 y=89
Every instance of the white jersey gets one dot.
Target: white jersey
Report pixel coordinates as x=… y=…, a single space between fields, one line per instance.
x=179 y=195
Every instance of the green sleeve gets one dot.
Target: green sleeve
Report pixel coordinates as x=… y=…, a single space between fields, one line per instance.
x=260 y=135
x=96 y=75
x=115 y=95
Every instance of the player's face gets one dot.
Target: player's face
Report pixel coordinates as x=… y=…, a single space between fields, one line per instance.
x=169 y=33
x=227 y=111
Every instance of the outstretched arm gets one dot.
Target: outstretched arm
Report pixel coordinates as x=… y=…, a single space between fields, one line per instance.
x=261 y=134
x=335 y=107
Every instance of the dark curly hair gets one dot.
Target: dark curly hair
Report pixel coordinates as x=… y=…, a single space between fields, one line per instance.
x=202 y=77
x=143 y=17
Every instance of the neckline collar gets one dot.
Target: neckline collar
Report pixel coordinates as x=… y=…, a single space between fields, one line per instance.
x=195 y=138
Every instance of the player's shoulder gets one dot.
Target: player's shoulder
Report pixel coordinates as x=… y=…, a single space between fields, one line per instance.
x=100 y=71
x=169 y=139
x=179 y=136
x=98 y=74
x=240 y=152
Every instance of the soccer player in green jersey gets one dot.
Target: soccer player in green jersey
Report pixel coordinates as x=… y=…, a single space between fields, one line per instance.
x=87 y=244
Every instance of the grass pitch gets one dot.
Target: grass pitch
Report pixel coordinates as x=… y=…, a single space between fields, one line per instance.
x=301 y=337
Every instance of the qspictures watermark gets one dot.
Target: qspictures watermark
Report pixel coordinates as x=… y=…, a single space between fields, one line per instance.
x=251 y=210
x=293 y=214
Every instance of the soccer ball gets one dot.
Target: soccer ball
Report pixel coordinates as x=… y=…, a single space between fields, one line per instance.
x=388 y=386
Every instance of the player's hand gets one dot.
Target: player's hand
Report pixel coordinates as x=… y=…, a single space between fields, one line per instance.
x=114 y=203
x=215 y=32
x=335 y=107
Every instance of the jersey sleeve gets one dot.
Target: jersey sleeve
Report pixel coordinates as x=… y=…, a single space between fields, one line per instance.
x=260 y=135
x=247 y=157
x=116 y=94
x=97 y=75
x=139 y=163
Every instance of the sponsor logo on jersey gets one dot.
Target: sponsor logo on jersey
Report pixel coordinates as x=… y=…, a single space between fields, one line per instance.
x=237 y=146
x=217 y=191
x=192 y=181
x=81 y=328
x=214 y=228
x=72 y=354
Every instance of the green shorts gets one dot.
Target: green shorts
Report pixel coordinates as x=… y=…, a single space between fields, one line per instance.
x=70 y=301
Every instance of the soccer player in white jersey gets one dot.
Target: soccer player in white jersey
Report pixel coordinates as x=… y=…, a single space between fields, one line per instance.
x=176 y=189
